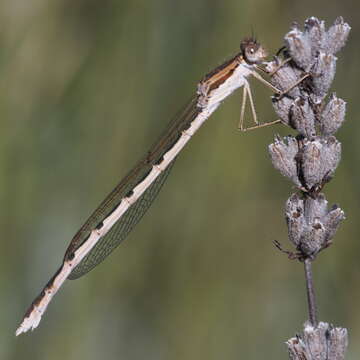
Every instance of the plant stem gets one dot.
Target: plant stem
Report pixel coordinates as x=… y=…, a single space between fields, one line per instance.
x=310 y=291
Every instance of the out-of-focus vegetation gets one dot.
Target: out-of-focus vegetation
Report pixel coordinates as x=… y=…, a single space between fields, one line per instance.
x=85 y=88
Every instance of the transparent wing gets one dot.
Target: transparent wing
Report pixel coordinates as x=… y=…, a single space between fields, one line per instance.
x=122 y=228
x=136 y=211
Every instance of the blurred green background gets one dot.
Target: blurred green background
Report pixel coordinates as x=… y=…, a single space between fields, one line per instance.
x=86 y=87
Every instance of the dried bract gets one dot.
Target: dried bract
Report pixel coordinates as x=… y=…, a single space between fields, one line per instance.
x=332 y=116
x=302 y=118
x=299 y=48
x=282 y=108
x=323 y=73
x=315 y=33
x=319 y=160
x=283 y=153
x=336 y=36
x=284 y=77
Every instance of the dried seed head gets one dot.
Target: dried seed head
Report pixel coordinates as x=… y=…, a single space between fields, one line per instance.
x=321 y=342
x=311 y=226
x=310 y=159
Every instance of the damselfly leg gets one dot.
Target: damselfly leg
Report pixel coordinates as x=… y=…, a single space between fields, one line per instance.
x=278 y=94
x=247 y=93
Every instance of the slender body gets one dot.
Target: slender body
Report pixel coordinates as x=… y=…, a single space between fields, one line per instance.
x=123 y=208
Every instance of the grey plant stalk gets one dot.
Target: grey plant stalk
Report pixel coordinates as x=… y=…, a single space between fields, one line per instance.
x=309 y=160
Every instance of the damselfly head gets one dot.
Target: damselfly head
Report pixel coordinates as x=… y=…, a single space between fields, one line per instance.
x=252 y=51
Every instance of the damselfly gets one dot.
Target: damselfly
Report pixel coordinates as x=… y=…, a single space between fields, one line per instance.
x=117 y=215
